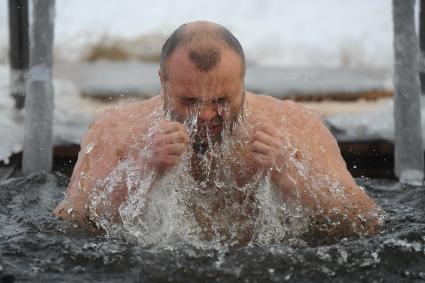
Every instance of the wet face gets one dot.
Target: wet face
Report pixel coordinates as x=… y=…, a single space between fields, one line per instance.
x=207 y=101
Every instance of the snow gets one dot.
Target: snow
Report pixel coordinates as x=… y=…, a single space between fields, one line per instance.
x=72 y=116
x=370 y=125
x=307 y=33
x=284 y=33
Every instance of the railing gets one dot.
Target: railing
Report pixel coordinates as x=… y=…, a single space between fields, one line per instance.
x=408 y=148
x=37 y=156
x=37 y=145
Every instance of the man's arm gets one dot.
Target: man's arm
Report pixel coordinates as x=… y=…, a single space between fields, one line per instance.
x=338 y=207
x=96 y=160
x=98 y=171
x=308 y=169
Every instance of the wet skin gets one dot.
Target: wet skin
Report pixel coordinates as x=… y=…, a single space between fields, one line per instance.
x=284 y=134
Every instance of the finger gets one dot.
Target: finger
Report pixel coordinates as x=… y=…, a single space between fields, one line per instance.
x=170 y=160
x=185 y=136
x=263 y=137
x=262 y=160
x=173 y=149
x=268 y=129
x=170 y=127
x=258 y=147
x=175 y=137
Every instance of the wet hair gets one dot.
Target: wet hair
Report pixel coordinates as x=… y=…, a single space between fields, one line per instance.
x=205 y=60
x=203 y=45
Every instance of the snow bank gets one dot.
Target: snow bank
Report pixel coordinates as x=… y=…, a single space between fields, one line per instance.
x=305 y=33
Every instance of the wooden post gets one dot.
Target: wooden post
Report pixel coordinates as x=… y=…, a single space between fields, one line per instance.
x=18 y=49
x=408 y=148
x=38 y=149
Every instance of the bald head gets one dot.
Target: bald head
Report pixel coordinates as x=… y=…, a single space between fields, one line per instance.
x=204 y=42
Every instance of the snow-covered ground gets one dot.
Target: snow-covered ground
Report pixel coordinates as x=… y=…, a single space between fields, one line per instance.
x=72 y=116
x=305 y=33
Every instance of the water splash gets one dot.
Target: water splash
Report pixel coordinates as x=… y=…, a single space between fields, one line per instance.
x=39 y=247
x=213 y=197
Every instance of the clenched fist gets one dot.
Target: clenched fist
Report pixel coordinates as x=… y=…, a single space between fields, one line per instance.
x=168 y=144
x=268 y=147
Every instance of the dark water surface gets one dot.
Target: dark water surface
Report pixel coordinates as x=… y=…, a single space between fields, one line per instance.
x=37 y=247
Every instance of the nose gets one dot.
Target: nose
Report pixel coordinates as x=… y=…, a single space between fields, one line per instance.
x=207 y=113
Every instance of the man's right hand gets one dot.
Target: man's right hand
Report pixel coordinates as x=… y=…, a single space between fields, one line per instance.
x=168 y=144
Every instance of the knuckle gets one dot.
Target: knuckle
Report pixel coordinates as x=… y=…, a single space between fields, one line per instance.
x=164 y=126
x=182 y=147
x=181 y=137
x=187 y=138
x=257 y=136
x=175 y=160
x=256 y=144
x=277 y=145
x=178 y=126
x=269 y=126
x=264 y=126
x=179 y=148
x=260 y=125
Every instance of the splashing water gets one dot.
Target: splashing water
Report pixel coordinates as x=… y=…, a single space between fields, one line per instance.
x=39 y=247
x=199 y=202
x=212 y=197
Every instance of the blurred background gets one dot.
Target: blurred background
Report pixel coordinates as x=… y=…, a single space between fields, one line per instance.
x=307 y=33
x=335 y=57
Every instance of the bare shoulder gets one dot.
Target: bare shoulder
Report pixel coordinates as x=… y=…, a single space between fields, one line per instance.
x=278 y=111
x=117 y=129
x=111 y=137
x=107 y=142
x=127 y=115
x=303 y=127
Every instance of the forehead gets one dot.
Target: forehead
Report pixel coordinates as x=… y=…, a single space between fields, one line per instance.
x=184 y=76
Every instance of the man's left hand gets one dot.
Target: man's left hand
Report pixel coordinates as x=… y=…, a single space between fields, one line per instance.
x=267 y=147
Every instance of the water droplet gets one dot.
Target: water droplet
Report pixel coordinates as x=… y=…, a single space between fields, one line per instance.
x=89 y=147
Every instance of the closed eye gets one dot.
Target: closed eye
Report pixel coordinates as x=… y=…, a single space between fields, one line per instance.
x=221 y=101
x=188 y=100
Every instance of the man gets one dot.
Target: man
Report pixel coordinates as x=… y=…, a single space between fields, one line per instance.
x=225 y=137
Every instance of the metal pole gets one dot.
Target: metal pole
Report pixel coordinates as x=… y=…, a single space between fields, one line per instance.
x=422 y=44
x=408 y=152
x=18 y=49
x=37 y=149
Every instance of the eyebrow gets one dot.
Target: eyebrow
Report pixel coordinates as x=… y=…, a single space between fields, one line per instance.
x=188 y=98
x=197 y=99
x=226 y=96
